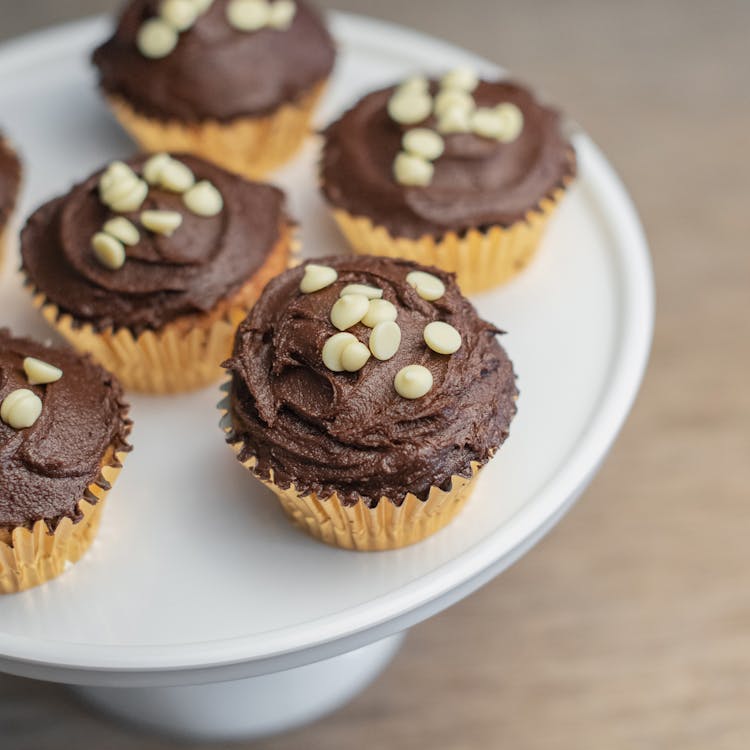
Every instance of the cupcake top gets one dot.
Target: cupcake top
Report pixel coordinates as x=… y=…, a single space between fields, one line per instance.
x=138 y=245
x=59 y=415
x=193 y=60
x=376 y=390
x=428 y=157
x=10 y=180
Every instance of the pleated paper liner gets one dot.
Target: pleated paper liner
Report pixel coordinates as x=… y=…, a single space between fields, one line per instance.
x=480 y=259
x=386 y=527
x=251 y=146
x=183 y=355
x=30 y=557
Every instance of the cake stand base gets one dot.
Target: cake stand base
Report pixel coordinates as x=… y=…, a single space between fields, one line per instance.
x=250 y=708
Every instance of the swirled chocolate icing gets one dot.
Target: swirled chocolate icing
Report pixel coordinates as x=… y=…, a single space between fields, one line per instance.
x=215 y=72
x=10 y=180
x=352 y=433
x=46 y=469
x=478 y=182
x=206 y=260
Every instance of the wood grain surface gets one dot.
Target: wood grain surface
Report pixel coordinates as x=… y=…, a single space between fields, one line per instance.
x=629 y=626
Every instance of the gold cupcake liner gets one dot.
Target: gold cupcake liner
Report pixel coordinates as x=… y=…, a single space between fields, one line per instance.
x=357 y=527
x=480 y=259
x=250 y=146
x=29 y=557
x=183 y=355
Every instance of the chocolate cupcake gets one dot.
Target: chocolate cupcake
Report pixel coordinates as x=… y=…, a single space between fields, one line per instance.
x=151 y=265
x=233 y=81
x=63 y=435
x=459 y=173
x=367 y=393
x=10 y=183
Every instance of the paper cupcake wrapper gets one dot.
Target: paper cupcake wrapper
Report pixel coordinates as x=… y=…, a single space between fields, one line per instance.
x=29 y=557
x=183 y=355
x=251 y=146
x=480 y=259
x=358 y=527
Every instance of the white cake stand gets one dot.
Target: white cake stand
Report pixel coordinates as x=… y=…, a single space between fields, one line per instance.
x=200 y=610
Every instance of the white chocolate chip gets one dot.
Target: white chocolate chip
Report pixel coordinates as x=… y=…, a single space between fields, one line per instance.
x=371 y=292
x=333 y=350
x=115 y=171
x=162 y=222
x=442 y=338
x=453 y=99
x=409 y=107
x=355 y=356
x=455 y=120
x=385 y=340
x=412 y=170
x=109 y=251
x=248 y=15
x=428 y=286
x=423 y=142
x=176 y=177
x=463 y=79
x=156 y=38
x=179 y=14
x=317 y=277
x=203 y=199
x=282 y=14
x=39 y=372
x=349 y=310
x=153 y=167
x=380 y=311
x=20 y=409
x=417 y=84
x=122 y=229
x=487 y=123
x=413 y=381
x=512 y=118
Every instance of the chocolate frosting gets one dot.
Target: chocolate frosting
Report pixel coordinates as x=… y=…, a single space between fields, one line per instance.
x=351 y=432
x=206 y=260
x=10 y=181
x=215 y=71
x=45 y=470
x=478 y=182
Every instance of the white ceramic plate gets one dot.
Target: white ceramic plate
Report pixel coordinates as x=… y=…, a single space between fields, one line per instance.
x=196 y=574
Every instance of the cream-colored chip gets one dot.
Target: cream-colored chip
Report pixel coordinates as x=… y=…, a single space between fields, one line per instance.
x=413 y=381
x=114 y=172
x=248 y=15
x=179 y=14
x=131 y=201
x=282 y=14
x=333 y=349
x=442 y=338
x=203 y=199
x=122 y=229
x=39 y=372
x=109 y=251
x=162 y=222
x=427 y=286
x=385 y=340
x=418 y=84
x=409 y=107
x=423 y=142
x=488 y=123
x=317 y=277
x=176 y=177
x=112 y=191
x=156 y=38
x=121 y=189
x=20 y=409
x=349 y=310
x=371 y=292
x=455 y=120
x=355 y=356
x=453 y=99
x=154 y=166
x=512 y=119
x=380 y=311
x=463 y=79
x=412 y=170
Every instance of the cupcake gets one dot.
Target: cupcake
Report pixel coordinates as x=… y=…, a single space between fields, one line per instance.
x=63 y=435
x=10 y=183
x=459 y=173
x=151 y=265
x=233 y=81
x=367 y=394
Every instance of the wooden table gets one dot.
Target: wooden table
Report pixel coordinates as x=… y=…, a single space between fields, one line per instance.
x=629 y=626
